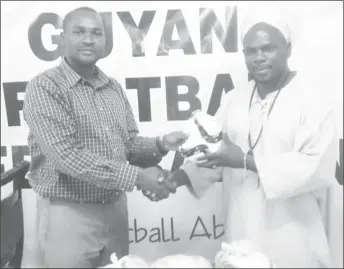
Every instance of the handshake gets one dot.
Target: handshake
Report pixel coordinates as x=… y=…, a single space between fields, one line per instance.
x=157 y=184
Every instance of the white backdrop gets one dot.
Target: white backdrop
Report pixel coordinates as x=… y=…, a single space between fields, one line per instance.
x=318 y=48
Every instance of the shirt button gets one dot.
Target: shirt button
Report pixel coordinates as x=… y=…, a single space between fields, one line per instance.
x=154 y=154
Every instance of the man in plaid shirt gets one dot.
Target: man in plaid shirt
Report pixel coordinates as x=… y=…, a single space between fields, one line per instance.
x=83 y=141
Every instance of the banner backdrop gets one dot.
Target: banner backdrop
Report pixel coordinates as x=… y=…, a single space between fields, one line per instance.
x=171 y=58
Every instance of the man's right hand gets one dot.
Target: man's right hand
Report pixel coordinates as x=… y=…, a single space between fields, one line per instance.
x=176 y=179
x=152 y=180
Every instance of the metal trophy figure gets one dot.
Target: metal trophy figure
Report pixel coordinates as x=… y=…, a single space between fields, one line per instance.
x=205 y=135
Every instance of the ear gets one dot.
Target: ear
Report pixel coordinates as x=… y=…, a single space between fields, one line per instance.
x=62 y=44
x=289 y=49
x=62 y=38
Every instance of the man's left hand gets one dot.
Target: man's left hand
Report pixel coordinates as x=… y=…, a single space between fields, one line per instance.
x=229 y=155
x=174 y=140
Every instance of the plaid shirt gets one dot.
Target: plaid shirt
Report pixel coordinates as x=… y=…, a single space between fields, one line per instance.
x=81 y=137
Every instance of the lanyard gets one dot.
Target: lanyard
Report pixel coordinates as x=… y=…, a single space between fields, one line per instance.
x=252 y=147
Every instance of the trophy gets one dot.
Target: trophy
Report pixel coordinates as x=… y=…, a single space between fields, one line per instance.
x=205 y=135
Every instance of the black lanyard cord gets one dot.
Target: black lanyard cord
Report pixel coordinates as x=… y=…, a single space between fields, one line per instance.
x=283 y=81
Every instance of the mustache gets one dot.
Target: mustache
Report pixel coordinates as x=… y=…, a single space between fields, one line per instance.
x=87 y=48
x=261 y=67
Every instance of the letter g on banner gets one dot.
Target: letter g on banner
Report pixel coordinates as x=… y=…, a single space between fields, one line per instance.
x=35 y=36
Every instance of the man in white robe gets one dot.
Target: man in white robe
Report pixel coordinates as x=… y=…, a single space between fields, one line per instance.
x=278 y=157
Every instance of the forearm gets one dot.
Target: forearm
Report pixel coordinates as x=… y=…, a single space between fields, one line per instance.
x=92 y=168
x=144 y=149
x=248 y=162
x=181 y=178
x=199 y=179
x=292 y=174
x=299 y=171
x=309 y=167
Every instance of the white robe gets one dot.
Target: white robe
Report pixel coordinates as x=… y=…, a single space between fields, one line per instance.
x=295 y=159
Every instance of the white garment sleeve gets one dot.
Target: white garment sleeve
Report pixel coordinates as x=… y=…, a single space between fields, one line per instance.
x=311 y=166
x=201 y=178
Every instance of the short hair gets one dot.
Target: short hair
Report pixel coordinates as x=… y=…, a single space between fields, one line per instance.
x=70 y=14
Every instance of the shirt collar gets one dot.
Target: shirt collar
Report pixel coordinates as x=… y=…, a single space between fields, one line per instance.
x=73 y=78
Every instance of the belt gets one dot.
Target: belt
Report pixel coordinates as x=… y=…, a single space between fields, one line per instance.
x=104 y=202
